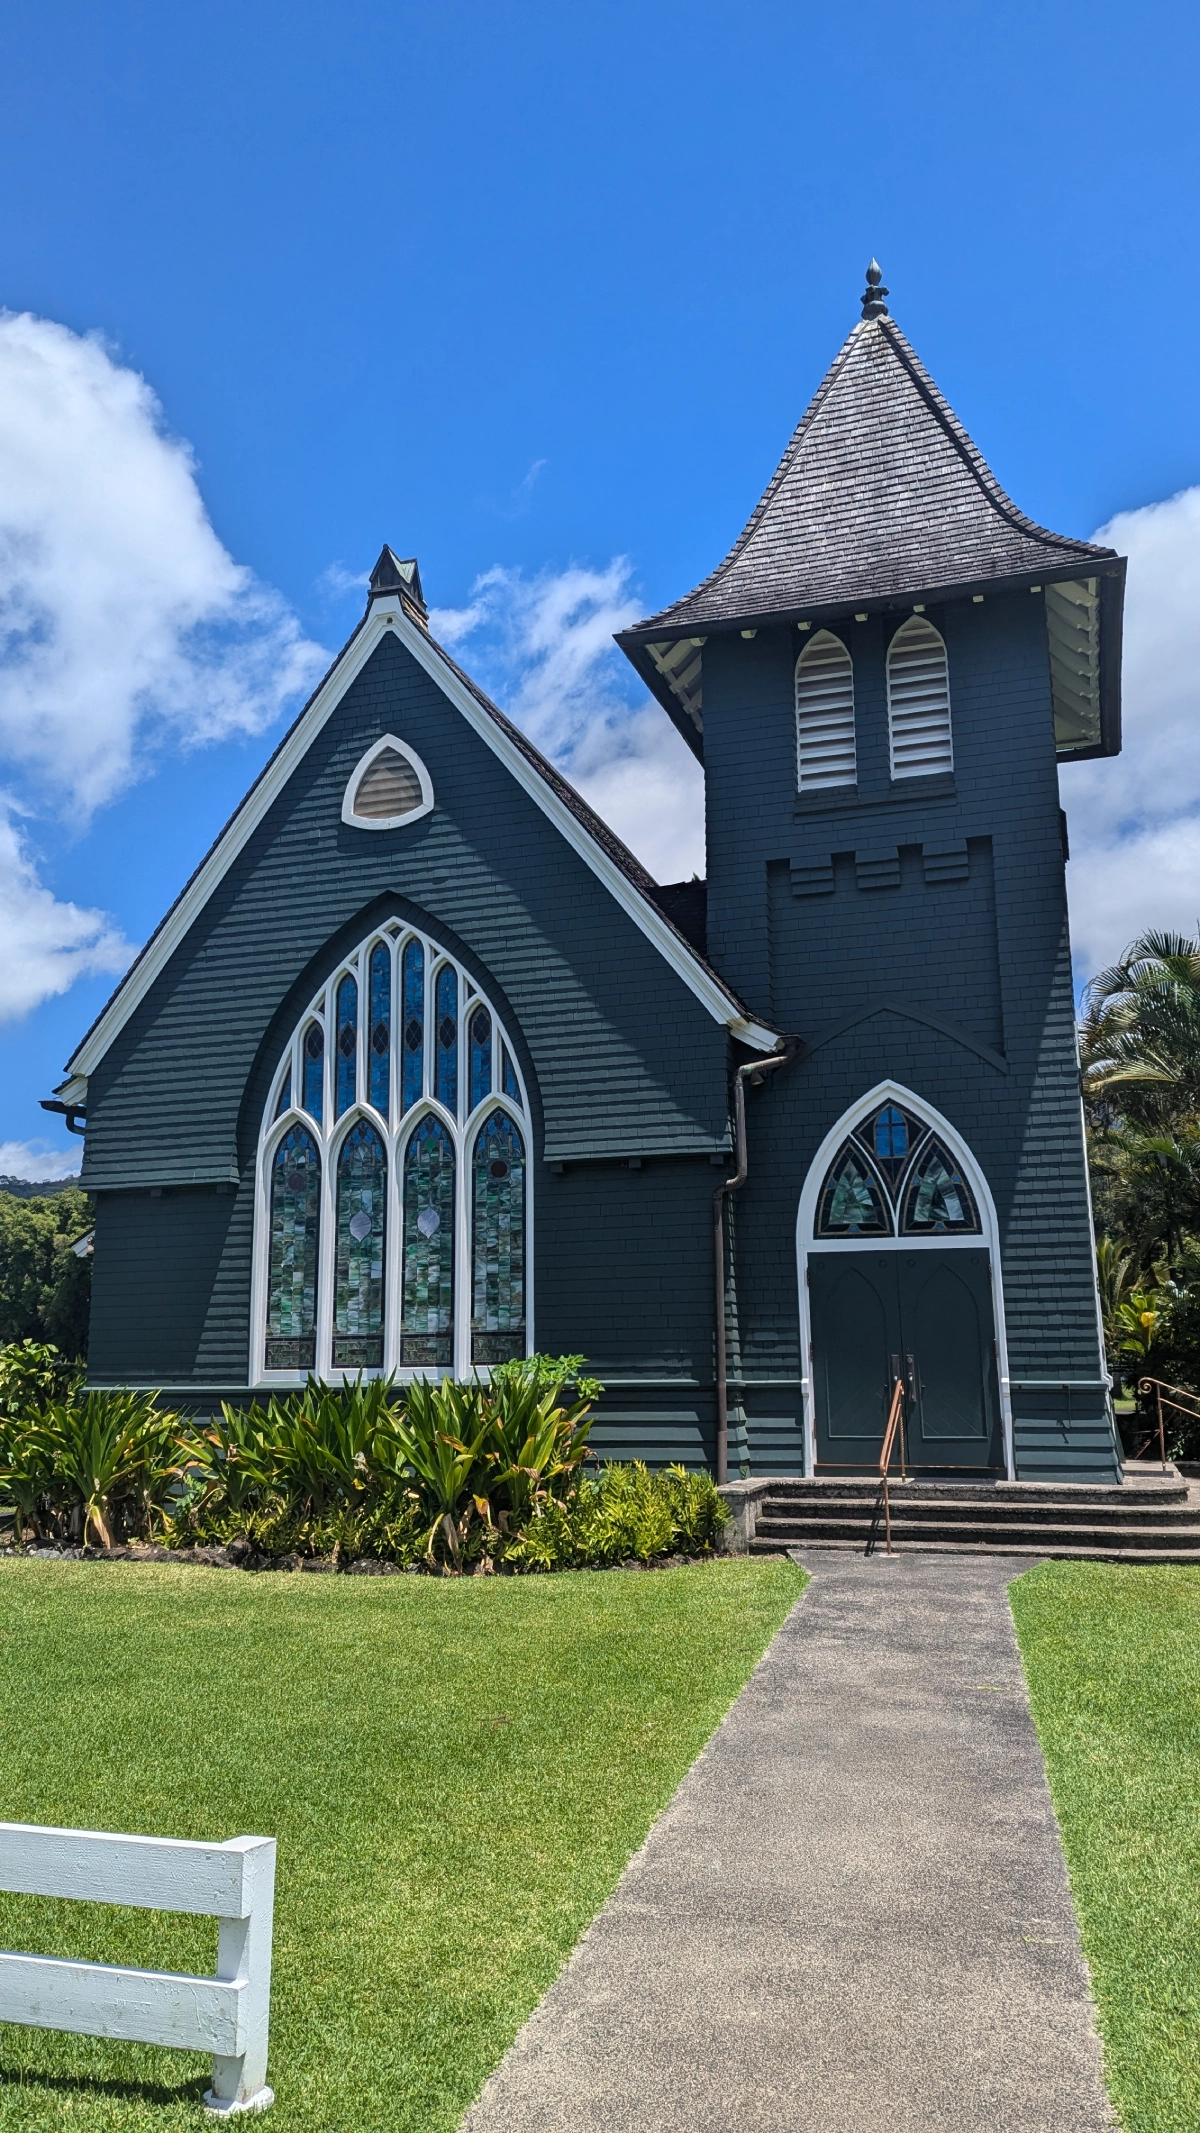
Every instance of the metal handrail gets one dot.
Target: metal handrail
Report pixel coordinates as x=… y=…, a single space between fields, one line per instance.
x=895 y=1425
x=1161 y=1387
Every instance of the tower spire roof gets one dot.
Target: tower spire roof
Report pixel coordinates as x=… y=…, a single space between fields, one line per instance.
x=881 y=499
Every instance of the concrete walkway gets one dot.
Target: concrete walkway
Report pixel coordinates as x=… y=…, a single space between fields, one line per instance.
x=854 y=1913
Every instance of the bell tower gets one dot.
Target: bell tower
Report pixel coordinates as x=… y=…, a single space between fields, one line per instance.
x=881 y=679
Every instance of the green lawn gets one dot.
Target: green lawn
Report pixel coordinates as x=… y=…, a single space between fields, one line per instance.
x=1113 y=1660
x=456 y=1773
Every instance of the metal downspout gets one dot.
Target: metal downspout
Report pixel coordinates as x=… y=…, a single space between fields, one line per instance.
x=753 y=1072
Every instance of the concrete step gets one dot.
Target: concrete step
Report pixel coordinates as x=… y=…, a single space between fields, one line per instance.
x=1026 y=1550
x=988 y=1512
x=1132 y=1542
x=1171 y=1489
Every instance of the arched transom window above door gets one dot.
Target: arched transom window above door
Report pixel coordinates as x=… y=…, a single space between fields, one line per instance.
x=893 y=1176
x=392 y=1216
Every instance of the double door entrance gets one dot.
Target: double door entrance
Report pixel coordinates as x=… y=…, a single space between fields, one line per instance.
x=927 y=1314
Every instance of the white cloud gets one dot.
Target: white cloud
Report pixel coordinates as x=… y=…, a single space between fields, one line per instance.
x=1135 y=819
x=543 y=647
x=37 y=1162
x=44 y=944
x=124 y=625
x=122 y=617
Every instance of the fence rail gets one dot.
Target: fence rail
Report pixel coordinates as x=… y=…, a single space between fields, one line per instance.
x=226 y=2015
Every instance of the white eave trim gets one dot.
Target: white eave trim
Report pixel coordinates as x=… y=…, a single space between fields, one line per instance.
x=386 y=613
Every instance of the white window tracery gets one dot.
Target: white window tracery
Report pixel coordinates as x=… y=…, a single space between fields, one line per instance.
x=392 y=1203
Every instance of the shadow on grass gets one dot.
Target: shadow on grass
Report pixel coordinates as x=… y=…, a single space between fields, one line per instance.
x=149 y=2092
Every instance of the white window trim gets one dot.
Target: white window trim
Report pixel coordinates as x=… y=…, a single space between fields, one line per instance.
x=387 y=822
x=986 y=1238
x=395 y=1131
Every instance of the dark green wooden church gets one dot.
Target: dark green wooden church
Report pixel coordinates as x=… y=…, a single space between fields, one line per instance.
x=423 y=1071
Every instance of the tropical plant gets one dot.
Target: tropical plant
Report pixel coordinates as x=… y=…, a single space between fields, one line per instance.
x=442 y=1439
x=32 y=1373
x=1140 y=1034
x=108 y=1451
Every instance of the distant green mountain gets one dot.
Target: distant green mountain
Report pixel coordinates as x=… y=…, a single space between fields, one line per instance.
x=36 y=1188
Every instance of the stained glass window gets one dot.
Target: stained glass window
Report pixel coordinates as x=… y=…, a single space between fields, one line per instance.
x=852 y=1201
x=292 y=1263
x=379 y=1042
x=938 y=1198
x=497 y=1242
x=891 y=1136
x=480 y=1028
x=358 y=1271
x=445 y=1026
x=427 y=1321
x=314 y=1069
x=410 y=1205
x=413 y=1053
x=347 y=1044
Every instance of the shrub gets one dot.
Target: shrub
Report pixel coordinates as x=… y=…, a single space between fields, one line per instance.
x=621 y=1514
x=45 y=1290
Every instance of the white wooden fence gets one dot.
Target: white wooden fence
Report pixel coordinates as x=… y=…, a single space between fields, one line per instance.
x=226 y=2015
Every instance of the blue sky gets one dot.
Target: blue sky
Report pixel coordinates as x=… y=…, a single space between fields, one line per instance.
x=537 y=293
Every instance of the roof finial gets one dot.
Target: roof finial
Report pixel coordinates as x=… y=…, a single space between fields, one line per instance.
x=873 y=305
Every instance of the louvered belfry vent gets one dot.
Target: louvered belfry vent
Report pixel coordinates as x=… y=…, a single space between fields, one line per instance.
x=919 y=701
x=825 y=714
x=388 y=787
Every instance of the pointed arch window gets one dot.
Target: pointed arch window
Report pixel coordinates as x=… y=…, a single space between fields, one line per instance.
x=894 y=1177
x=825 y=747
x=392 y=1224
x=498 y=1241
x=358 y=1274
x=918 y=680
x=295 y=1227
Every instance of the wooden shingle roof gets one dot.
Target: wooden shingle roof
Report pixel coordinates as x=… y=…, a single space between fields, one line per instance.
x=880 y=495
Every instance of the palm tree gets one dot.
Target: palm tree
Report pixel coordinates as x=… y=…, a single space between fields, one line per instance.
x=1140 y=1037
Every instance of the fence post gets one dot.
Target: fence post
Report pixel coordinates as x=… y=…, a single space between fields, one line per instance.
x=244 y=1957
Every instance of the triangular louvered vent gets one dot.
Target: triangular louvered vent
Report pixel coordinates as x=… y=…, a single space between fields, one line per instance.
x=390 y=786
x=825 y=713
x=919 y=701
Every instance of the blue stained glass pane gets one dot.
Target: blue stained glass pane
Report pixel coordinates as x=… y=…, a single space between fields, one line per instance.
x=427 y=1323
x=445 y=1026
x=358 y=1278
x=292 y=1269
x=497 y=1242
x=413 y=1048
x=379 y=1044
x=285 y=1095
x=314 y=1069
x=512 y=1086
x=891 y=1134
x=347 y=1043
x=480 y=1031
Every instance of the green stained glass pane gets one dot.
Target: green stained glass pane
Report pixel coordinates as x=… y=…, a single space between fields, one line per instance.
x=938 y=1198
x=292 y=1269
x=427 y=1323
x=358 y=1280
x=851 y=1203
x=498 y=1242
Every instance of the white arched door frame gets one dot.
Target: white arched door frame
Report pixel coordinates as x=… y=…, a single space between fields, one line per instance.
x=988 y=1236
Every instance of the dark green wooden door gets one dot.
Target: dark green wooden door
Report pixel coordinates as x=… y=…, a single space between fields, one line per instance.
x=928 y=1313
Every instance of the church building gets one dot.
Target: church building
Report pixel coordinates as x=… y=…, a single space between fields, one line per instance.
x=423 y=1070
